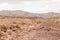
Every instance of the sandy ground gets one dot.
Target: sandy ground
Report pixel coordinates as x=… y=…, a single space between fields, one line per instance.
x=29 y=29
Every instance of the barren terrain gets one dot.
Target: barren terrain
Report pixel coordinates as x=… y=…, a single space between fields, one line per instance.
x=29 y=28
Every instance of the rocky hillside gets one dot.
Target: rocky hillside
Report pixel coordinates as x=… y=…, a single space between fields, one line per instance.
x=29 y=28
x=19 y=13
x=19 y=25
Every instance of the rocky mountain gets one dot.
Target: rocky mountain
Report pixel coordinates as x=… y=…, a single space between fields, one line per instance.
x=19 y=13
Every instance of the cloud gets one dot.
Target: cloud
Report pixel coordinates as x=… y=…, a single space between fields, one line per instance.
x=54 y=5
x=31 y=6
x=17 y=1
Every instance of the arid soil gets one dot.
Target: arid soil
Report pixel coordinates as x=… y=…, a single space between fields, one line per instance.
x=29 y=28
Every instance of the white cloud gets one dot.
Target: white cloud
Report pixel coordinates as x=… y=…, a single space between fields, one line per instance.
x=32 y=6
x=54 y=5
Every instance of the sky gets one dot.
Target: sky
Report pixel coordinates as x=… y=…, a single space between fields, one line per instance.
x=35 y=6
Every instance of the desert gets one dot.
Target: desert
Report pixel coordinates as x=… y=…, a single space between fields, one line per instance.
x=20 y=25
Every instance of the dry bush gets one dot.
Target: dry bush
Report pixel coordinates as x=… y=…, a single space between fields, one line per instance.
x=29 y=29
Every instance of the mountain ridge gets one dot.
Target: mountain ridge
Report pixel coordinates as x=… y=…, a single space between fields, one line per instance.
x=19 y=13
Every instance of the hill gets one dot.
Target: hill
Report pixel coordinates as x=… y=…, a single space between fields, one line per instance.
x=25 y=27
x=19 y=13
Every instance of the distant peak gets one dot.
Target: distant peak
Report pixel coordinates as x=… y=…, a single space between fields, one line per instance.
x=51 y=12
